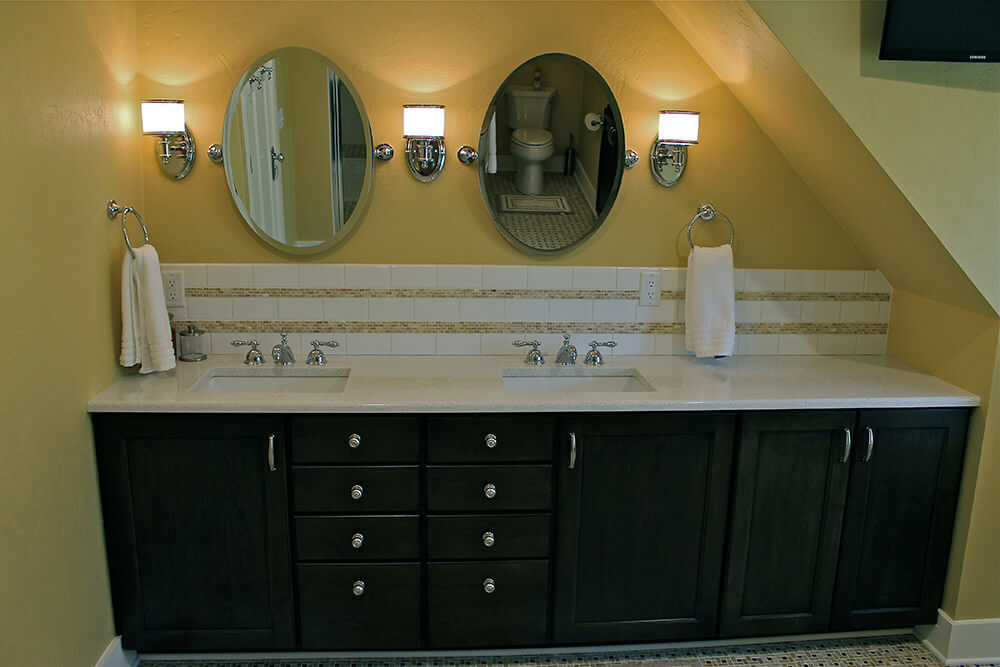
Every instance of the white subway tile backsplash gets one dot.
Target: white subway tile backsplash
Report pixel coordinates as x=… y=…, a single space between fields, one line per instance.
x=780 y=311
x=594 y=277
x=805 y=281
x=627 y=277
x=505 y=277
x=859 y=311
x=435 y=310
x=669 y=310
x=798 y=344
x=748 y=311
x=845 y=281
x=459 y=276
x=298 y=308
x=390 y=309
x=608 y=310
x=228 y=275
x=870 y=344
x=367 y=275
x=631 y=344
x=764 y=280
x=550 y=277
x=480 y=310
x=570 y=310
x=526 y=310
x=884 y=309
x=408 y=343
x=672 y=279
x=221 y=343
x=210 y=308
x=345 y=309
x=327 y=276
x=501 y=344
x=672 y=344
x=413 y=276
x=276 y=275
x=740 y=279
x=756 y=344
x=369 y=343
x=255 y=308
x=457 y=344
x=837 y=343
x=194 y=274
x=821 y=311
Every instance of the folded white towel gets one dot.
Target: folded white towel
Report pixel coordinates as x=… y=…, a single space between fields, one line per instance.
x=710 y=302
x=145 y=325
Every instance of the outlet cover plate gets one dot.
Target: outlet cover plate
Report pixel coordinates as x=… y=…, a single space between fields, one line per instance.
x=173 y=289
x=649 y=288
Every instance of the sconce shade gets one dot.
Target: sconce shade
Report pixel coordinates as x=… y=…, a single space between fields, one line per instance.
x=423 y=120
x=678 y=127
x=162 y=116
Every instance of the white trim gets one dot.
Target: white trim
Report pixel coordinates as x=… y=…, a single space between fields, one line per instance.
x=589 y=193
x=960 y=642
x=560 y=650
x=115 y=656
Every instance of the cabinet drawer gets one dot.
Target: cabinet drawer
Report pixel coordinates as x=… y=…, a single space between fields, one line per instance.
x=357 y=537
x=386 y=614
x=508 y=536
x=467 y=439
x=328 y=439
x=462 y=613
x=382 y=489
x=458 y=488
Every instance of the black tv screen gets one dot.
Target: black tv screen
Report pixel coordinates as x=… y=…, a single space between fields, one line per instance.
x=941 y=30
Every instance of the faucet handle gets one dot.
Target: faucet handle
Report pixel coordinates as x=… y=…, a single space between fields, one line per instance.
x=594 y=344
x=316 y=356
x=534 y=356
x=254 y=357
x=594 y=357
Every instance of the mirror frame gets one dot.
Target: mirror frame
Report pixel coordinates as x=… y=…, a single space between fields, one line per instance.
x=363 y=200
x=619 y=173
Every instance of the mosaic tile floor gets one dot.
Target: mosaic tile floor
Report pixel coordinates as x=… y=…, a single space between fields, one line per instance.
x=857 y=652
x=544 y=231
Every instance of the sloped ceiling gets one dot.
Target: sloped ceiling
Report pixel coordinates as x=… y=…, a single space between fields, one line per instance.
x=740 y=47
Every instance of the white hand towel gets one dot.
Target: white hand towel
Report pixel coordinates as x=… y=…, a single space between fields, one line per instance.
x=710 y=302
x=145 y=324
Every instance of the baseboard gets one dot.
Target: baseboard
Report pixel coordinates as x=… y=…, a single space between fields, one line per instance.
x=586 y=187
x=115 y=656
x=548 y=650
x=961 y=642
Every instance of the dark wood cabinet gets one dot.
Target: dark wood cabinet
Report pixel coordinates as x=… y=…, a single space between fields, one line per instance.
x=196 y=526
x=899 y=517
x=641 y=520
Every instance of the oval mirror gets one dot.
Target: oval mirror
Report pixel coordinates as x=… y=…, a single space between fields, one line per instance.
x=298 y=151
x=551 y=154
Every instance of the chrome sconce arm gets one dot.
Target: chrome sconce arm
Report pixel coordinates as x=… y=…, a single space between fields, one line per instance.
x=668 y=155
x=175 y=147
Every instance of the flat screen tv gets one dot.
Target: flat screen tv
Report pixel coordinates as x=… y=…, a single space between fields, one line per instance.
x=941 y=30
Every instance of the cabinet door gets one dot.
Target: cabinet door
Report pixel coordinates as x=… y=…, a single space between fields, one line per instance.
x=787 y=511
x=641 y=517
x=196 y=525
x=898 y=522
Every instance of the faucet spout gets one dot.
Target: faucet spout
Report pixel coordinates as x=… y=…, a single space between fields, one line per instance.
x=281 y=353
x=567 y=353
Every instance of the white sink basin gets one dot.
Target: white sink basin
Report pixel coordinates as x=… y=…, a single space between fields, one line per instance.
x=573 y=380
x=273 y=381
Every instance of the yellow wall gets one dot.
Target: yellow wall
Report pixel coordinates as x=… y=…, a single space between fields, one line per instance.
x=72 y=142
x=645 y=61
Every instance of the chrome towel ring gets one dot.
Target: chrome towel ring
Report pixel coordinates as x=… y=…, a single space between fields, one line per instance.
x=707 y=212
x=114 y=209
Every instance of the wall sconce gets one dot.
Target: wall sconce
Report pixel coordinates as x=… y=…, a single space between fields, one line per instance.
x=175 y=148
x=668 y=157
x=423 y=129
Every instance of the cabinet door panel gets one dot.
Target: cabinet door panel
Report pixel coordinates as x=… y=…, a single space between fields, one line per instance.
x=641 y=518
x=898 y=522
x=787 y=508
x=197 y=531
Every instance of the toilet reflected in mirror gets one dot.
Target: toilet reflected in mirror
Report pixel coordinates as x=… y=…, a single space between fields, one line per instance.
x=548 y=174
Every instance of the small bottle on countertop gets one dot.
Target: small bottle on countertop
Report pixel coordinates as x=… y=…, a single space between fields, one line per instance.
x=538 y=79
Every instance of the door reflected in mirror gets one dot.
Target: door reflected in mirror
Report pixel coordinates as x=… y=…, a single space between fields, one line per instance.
x=298 y=150
x=551 y=154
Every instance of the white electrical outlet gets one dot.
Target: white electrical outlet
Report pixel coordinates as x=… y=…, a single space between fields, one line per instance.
x=173 y=288
x=649 y=288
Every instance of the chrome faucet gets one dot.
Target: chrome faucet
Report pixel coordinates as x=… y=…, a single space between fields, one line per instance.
x=567 y=353
x=594 y=357
x=281 y=353
x=316 y=356
x=254 y=357
x=534 y=356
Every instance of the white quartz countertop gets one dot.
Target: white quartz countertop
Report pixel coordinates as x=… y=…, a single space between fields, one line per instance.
x=474 y=384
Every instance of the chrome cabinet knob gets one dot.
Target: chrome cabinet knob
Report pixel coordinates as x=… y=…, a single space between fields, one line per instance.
x=357 y=491
x=359 y=588
x=491 y=440
x=354 y=441
x=490 y=491
x=489 y=585
x=488 y=539
x=357 y=540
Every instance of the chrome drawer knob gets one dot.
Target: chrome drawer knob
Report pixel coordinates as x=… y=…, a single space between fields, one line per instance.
x=489 y=585
x=357 y=540
x=357 y=491
x=488 y=539
x=491 y=440
x=490 y=491
x=359 y=588
x=354 y=441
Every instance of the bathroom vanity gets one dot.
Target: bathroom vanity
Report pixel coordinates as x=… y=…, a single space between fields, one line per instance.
x=426 y=507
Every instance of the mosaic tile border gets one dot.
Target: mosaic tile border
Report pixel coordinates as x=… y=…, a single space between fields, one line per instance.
x=428 y=293
x=878 y=651
x=355 y=326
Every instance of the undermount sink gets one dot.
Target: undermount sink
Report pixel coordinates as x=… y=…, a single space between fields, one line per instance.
x=574 y=380
x=273 y=381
